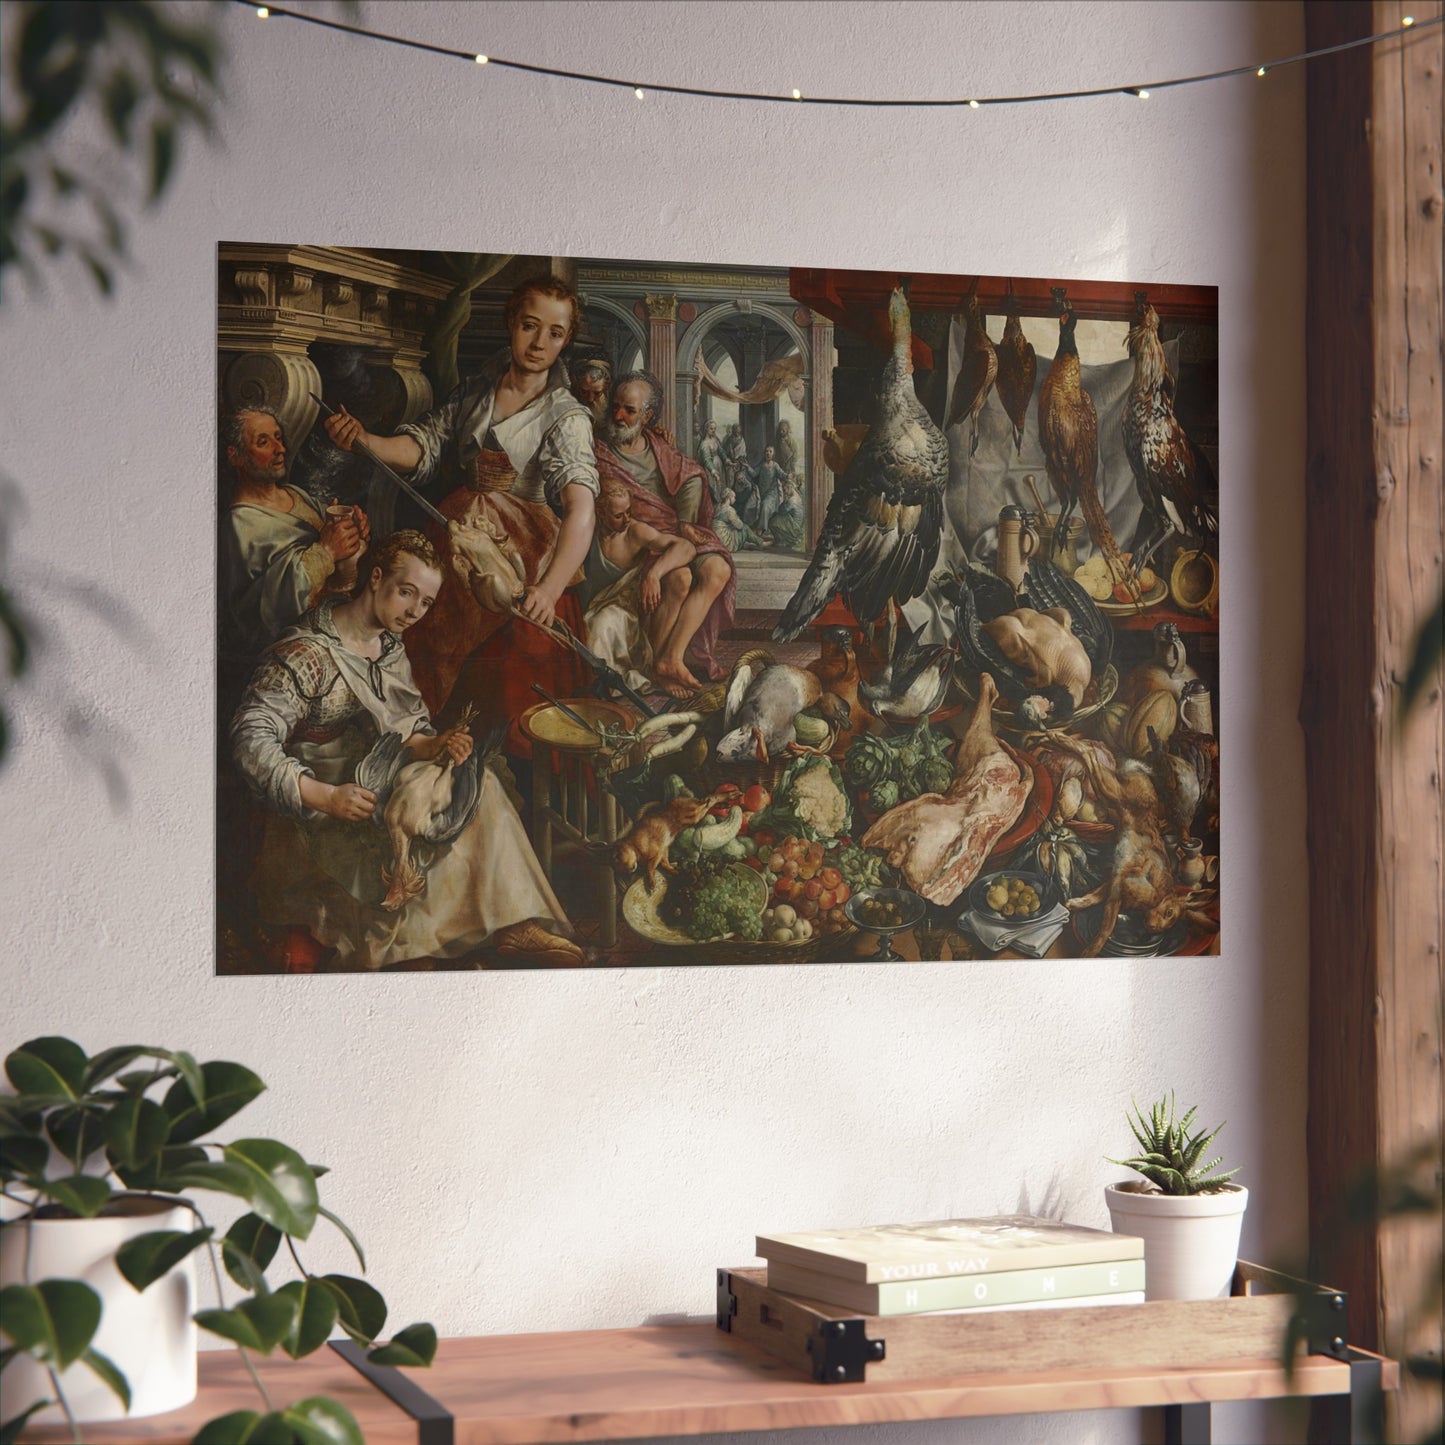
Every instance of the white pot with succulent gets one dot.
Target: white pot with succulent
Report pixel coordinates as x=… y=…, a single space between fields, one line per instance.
x=1188 y=1215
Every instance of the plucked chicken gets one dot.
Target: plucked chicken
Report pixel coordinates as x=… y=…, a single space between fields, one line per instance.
x=430 y=801
x=1069 y=434
x=881 y=535
x=1175 y=481
x=976 y=373
x=1018 y=367
x=939 y=841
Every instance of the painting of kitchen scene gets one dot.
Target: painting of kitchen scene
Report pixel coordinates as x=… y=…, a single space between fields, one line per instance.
x=590 y=613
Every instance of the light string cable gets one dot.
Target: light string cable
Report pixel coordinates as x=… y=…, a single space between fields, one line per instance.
x=641 y=88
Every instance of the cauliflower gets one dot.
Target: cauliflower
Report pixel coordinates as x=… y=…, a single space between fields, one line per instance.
x=816 y=795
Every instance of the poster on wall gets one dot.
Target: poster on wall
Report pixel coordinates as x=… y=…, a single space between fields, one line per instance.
x=592 y=613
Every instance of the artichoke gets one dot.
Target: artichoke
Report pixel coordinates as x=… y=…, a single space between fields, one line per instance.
x=935 y=775
x=868 y=762
x=884 y=795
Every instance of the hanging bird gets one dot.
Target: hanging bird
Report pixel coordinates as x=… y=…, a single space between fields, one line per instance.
x=1174 y=479
x=1069 y=432
x=976 y=373
x=1017 y=369
x=881 y=535
x=1182 y=772
x=914 y=681
x=764 y=699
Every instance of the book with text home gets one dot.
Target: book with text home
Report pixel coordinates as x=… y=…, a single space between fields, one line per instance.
x=962 y=1292
x=938 y=1248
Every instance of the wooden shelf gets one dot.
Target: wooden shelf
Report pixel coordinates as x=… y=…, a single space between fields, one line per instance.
x=692 y=1379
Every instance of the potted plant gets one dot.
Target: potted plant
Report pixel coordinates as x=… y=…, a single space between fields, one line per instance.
x=1187 y=1213
x=102 y=1230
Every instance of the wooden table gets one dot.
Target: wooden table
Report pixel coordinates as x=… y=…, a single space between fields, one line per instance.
x=694 y=1379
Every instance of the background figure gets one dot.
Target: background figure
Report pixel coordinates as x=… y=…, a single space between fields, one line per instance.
x=767 y=494
x=279 y=552
x=729 y=525
x=785 y=449
x=592 y=384
x=787 y=528
x=736 y=471
x=710 y=457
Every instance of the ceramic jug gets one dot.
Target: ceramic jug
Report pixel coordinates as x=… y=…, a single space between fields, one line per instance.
x=1017 y=542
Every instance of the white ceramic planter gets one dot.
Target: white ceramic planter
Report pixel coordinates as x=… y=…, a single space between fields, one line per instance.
x=150 y=1336
x=1191 y=1241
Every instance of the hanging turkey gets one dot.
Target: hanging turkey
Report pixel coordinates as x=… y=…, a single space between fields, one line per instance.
x=881 y=535
x=1174 y=479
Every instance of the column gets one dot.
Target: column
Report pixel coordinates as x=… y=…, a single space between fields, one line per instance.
x=820 y=418
x=662 y=355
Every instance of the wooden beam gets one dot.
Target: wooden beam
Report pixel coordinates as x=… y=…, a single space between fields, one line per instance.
x=1373 y=570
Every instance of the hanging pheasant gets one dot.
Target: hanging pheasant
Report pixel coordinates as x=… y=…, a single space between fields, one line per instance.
x=1069 y=433
x=976 y=373
x=1017 y=370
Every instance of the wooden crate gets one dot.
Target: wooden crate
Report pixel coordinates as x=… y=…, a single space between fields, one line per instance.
x=835 y=1345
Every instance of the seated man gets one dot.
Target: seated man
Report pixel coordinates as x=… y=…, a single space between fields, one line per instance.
x=669 y=492
x=635 y=581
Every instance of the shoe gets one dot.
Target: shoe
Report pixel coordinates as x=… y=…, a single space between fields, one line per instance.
x=537 y=946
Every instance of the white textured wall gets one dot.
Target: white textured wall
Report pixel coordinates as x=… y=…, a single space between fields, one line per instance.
x=532 y=1151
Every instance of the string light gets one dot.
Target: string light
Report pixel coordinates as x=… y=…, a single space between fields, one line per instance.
x=1142 y=92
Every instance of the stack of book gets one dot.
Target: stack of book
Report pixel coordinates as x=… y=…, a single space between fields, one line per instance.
x=1011 y=1261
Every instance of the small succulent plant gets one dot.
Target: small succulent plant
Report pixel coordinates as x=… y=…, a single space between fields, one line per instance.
x=1170 y=1152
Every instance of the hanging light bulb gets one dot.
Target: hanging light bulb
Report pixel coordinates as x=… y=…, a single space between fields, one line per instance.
x=797 y=94
x=482 y=59
x=638 y=92
x=1262 y=72
x=1142 y=94
x=1407 y=21
x=973 y=105
x=262 y=12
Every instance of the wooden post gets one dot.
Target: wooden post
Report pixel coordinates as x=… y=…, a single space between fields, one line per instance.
x=1373 y=572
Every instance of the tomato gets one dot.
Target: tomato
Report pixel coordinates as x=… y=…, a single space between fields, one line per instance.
x=844 y=891
x=755 y=798
x=827 y=900
x=807 y=909
x=765 y=837
x=792 y=867
x=812 y=888
x=785 y=888
x=728 y=788
x=808 y=869
x=754 y=862
x=831 y=877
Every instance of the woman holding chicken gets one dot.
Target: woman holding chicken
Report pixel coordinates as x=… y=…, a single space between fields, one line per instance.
x=328 y=691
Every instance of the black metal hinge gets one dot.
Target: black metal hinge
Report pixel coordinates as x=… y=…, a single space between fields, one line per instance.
x=727 y=1301
x=841 y=1352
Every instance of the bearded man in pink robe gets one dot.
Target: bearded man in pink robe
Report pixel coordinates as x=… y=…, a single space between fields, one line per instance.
x=669 y=491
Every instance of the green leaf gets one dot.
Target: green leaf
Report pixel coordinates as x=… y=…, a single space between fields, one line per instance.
x=76 y=1131
x=149 y=1257
x=282 y=1186
x=12 y=1429
x=248 y=1248
x=319 y=1421
x=207 y=1174
x=351 y=1239
x=49 y=1065
x=108 y=1371
x=84 y=1194
x=361 y=1309
x=226 y=1089
x=112 y=1061
x=316 y=1311
x=20 y=1158
x=259 y=1323
x=136 y=1131
x=415 y=1345
x=156 y=1174
x=55 y=1320
x=245 y=1427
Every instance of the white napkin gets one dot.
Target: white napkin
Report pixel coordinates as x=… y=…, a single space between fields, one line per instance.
x=1033 y=940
